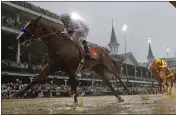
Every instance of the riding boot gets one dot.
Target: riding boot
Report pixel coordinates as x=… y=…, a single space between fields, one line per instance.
x=86 y=49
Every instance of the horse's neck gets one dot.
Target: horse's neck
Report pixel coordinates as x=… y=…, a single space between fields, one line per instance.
x=157 y=73
x=57 y=44
x=157 y=70
x=49 y=30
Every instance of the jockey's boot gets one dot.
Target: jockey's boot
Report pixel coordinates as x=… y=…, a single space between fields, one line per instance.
x=86 y=49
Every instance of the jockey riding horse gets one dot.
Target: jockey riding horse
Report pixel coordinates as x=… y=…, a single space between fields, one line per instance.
x=170 y=75
x=65 y=54
x=163 y=71
x=78 y=29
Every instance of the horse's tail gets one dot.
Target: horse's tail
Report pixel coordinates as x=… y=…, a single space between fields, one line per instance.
x=116 y=64
x=118 y=75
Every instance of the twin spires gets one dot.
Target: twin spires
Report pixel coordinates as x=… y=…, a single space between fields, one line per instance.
x=113 y=45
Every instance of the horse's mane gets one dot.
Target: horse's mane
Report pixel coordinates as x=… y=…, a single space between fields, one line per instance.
x=53 y=26
x=155 y=69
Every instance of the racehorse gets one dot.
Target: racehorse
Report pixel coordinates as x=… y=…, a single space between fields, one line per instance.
x=65 y=54
x=161 y=77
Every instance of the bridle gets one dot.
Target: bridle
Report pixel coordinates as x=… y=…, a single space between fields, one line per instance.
x=151 y=67
x=35 y=37
x=32 y=36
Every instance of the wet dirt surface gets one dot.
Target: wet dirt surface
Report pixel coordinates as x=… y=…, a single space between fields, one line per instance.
x=136 y=104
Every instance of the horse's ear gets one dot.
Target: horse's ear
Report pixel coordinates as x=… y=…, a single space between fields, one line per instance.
x=39 y=18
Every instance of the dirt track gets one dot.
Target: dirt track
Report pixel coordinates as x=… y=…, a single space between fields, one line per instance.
x=137 y=104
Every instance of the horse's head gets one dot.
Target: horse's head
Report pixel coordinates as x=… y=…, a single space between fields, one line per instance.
x=29 y=32
x=153 y=66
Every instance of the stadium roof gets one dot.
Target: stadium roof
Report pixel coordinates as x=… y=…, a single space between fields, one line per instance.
x=173 y=3
x=129 y=56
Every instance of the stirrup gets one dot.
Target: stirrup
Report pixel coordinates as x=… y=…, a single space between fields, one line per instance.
x=87 y=55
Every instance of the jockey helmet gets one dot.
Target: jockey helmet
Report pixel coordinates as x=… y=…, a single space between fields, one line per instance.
x=64 y=16
x=157 y=60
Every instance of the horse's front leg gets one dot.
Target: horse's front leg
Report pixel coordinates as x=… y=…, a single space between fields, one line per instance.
x=73 y=87
x=160 y=86
x=163 y=77
x=164 y=86
x=38 y=78
x=167 y=85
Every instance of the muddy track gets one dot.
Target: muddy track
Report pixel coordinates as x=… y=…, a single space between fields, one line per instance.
x=138 y=104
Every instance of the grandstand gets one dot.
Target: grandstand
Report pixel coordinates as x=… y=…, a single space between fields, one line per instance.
x=20 y=64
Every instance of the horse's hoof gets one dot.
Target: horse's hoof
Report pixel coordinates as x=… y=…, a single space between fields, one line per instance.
x=75 y=104
x=13 y=96
x=169 y=93
x=80 y=102
x=80 y=105
x=120 y=99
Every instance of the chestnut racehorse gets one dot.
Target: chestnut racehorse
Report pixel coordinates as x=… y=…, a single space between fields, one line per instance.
x=65 y=54
x=160 y=75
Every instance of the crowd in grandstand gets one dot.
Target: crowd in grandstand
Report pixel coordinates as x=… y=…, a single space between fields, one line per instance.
x=48 y=89
x=36 y=8
x=13 y=64
x=12 y=22
x=45 y=90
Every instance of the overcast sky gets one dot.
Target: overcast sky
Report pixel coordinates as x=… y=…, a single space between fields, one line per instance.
x=156 y=20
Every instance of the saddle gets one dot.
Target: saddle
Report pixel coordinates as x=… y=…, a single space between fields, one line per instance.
x=92 y=50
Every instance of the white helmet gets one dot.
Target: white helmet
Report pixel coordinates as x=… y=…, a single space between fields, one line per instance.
x=64 y=16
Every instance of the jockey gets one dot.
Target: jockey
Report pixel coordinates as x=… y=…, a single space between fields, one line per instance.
x=169 y=72
x=161 y=63
x=77 y=28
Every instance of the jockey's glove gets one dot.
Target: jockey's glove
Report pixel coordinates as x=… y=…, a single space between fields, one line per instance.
x=70 y=31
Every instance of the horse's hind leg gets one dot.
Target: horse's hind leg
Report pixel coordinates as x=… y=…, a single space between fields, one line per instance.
x=116 y=74
x=167 y=85
x=114 y=68
x=172 y=82
x=43 y=74
x=100 y=70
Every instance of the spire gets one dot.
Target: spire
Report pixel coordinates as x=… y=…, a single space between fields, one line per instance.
x=112 y=23
x=150 y=54
x=113 y=40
